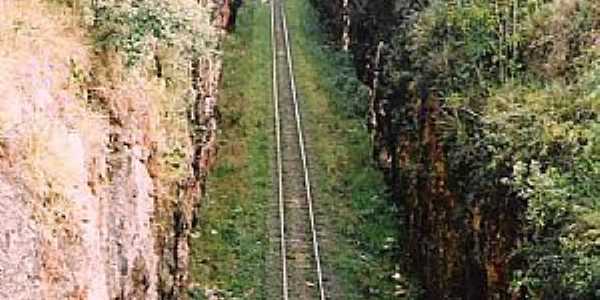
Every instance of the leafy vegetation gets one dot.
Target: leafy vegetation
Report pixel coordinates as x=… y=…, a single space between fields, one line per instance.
x=544 y=130
x=520 y=117
x=508 y=91
x=136 y=27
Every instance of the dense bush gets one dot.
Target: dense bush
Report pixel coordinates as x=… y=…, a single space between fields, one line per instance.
x=460 y=43
x=524 y=118
x=560 y=182
x=558 y=38
x=136 y=28
x=517 y=85
x=352 y=95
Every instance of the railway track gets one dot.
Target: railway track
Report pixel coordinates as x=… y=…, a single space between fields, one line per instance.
x=301 y=273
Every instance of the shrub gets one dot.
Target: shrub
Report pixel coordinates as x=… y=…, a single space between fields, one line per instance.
x=137 y=28
x=557 y=37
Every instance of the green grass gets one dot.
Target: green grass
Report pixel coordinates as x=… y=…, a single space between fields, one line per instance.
x=229 y=244
x=362 y=236
x=363 y=243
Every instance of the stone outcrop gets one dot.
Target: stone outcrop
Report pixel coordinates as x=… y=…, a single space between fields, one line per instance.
x=88 y=206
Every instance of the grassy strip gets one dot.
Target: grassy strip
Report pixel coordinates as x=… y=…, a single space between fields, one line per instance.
x=229 y=246
x=362 y=230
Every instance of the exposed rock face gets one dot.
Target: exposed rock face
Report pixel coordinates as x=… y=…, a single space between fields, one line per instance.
x=460 y=248
x=86 y=209
x=180 y=217
x=460 y=241
x=227 y=14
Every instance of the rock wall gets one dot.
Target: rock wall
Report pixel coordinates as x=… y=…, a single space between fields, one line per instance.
x=459 y=247
x=180 y=217
x=101 y=175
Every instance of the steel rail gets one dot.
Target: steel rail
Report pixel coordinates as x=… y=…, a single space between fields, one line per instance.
x=279 y=159
x=303 y=155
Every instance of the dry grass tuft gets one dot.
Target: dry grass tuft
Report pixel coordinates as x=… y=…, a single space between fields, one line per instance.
x=44 y=127
x=73 y=112
x=560 y=35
